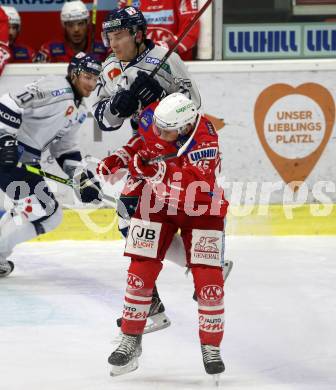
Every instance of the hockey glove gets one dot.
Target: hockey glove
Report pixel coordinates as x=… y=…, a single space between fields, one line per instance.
x=87 y=189
x=109 y=167
x=140 y=169
x=124 y=104
x=9 y=155
x=147 y=89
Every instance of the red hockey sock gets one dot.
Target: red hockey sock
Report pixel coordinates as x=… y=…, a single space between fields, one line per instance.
x=210 y=296
x=141 y=278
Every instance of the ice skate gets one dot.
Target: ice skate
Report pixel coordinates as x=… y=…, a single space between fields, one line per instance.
x=125 y=358
x=213 y=362
x=6 y=267
x=157 y=318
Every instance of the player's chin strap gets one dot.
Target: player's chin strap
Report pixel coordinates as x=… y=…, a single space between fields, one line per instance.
x=62 y=180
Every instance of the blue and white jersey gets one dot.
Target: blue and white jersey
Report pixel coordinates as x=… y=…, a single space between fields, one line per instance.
x=43 y=115
x=173 y=76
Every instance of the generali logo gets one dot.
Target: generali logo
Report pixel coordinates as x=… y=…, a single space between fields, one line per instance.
x=294 y=125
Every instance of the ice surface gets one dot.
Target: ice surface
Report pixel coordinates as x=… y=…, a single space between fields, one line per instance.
x=58 y=311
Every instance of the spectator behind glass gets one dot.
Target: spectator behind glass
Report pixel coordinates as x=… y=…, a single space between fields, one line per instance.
x=75 y=20
x=4 y=49
x=167 y=21
x=19 y=51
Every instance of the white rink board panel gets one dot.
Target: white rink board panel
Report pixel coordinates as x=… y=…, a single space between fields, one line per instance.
x=230 y=91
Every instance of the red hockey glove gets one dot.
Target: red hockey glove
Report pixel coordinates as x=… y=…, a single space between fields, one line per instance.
x=139 y=168
x=108 y=168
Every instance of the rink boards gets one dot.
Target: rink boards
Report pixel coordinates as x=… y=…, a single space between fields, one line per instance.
x=278 y=135
x=102 y=224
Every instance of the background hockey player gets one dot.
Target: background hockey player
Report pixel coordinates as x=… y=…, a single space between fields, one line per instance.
x=20 y=52
x=125 y=88
x=75 y=20
x=45 y=114
x=167 y=20
x=185 y=189
x=4 y=38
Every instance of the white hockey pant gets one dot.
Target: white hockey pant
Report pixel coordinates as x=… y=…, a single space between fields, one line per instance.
x=16 y=228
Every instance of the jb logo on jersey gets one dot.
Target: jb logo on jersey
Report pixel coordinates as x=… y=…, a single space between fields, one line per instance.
x=143 y=238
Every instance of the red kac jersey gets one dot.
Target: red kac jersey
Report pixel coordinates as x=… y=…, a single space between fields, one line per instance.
x=60 y=51
x=190 y=178
x=4 y=50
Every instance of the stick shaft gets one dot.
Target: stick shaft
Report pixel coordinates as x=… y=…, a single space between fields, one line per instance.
x=58 y=179
x=180 y=38
x=93 y=23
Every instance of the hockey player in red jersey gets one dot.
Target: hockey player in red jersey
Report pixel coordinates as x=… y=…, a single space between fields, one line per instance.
x=20 y=52
x=180 y=193
x=4 y=49
x=126 y=88
x=75 y=20
x=167 y=21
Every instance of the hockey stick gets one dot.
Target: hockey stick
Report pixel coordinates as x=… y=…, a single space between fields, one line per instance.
x=58 y=179
x=94 y=23
x=180 y=38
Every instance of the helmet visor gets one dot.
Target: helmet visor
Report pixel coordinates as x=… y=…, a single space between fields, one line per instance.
x=110 y=26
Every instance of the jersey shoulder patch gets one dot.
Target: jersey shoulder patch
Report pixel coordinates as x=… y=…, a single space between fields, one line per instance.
x=20 y=53
x=57 y=48
x=47 y=90
x=99 y=47
x=146 y=119
x=210 y=127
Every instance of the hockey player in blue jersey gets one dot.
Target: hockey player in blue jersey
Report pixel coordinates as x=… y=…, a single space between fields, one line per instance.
x=44 y=115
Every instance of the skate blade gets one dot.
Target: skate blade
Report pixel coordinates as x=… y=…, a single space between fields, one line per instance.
x=121 y=370
x=228 y=265
x=216 y=379
x=157 y=322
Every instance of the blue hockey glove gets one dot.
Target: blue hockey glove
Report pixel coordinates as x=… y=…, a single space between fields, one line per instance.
x=147 y=89
x=124 y=104
x=87 y=189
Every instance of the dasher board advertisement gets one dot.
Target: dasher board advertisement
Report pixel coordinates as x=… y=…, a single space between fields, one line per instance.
x=272 y=41
x=314 y=2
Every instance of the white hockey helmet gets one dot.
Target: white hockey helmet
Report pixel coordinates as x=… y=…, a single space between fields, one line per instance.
x=13 y=15
x=175 y=112
x=74 y=10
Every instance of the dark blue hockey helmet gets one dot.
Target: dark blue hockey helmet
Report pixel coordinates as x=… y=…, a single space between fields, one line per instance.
x=129 y=18
x=83 y=62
